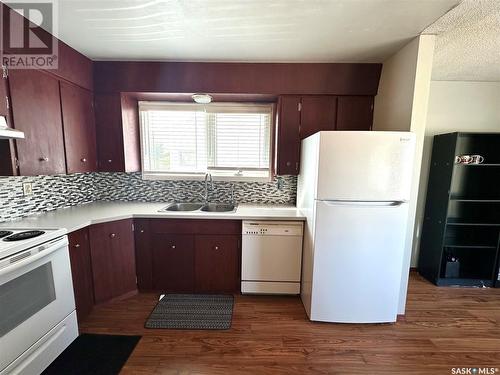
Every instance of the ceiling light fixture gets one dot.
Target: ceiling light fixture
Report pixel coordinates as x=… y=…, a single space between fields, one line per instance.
x=202 y=98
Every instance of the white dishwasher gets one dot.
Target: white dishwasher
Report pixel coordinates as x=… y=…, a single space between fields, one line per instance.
x=271 y=257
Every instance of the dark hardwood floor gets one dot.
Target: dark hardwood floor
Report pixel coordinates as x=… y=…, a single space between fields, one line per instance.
x=444 y=328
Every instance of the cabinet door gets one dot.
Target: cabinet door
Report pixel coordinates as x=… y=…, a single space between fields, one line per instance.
x=81 y=271
x=355 y=113
x=4 y=93
x=108 y=118
x=36 y=110
x=317 y=113
x=173 y=262
x=102 y=258
x=79 y=129
x=288 y=144
x=113 y=259
x=217 y=263
x=143 y=254
x=124 y=271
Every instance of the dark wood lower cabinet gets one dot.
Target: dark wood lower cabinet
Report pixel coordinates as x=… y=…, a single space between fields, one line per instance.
x=143 y=254
x=81 y=270
x=191 y=255
x=113 y=259
x=217 y=263
x=173 y=262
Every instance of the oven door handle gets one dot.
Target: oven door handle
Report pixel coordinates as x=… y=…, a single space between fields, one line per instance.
x=43 y=251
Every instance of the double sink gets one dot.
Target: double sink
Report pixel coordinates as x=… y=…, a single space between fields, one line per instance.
x=204 y=207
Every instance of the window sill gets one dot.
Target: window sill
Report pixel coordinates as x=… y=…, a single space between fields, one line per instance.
x=198 y=177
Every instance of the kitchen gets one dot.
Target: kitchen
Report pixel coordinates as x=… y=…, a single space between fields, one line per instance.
x=205 y=214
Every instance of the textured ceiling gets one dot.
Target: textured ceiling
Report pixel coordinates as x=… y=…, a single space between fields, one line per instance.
x=468 y=42
x=245 y=30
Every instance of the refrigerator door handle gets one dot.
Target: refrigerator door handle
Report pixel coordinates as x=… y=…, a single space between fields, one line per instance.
x=365 y=203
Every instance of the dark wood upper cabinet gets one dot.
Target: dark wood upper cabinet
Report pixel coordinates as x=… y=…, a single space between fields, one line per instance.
x=288 y=136
x=113 y=259
x=36 y=110
x=173 y=262
x=355 y=113
x=4 y=92
x=8 y=157
x=217 y=263
x=117 y=126
x=301 y=116
x=79 y=128
x=109 y=131
x=81 y=271
x=317 y=113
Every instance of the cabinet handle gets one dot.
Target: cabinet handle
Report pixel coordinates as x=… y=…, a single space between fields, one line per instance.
x=288 y=163
x=173 y=246
x=216 y=247
x=77 y=245
x=142 y=230
x=110 y=160
x=43 y=158
x=112 y=235
x=83 y=160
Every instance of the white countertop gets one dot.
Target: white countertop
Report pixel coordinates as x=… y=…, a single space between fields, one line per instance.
x=74 y=218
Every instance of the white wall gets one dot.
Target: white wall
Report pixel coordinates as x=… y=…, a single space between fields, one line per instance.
x=455 y=106
x=401 y=104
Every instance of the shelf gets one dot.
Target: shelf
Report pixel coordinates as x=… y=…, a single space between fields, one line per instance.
x=475 y=200
x=475 y=224
x=443 y=281
x=478 y=165
x=472 y=246
x=462 y=212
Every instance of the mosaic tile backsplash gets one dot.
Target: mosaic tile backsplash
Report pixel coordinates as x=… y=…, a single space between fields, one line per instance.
x=52 y=192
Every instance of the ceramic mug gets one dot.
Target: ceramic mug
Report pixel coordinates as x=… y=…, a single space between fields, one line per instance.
x=469 y=159
x=477 y=159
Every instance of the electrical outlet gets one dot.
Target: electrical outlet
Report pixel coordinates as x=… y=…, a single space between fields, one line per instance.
x=27 y=188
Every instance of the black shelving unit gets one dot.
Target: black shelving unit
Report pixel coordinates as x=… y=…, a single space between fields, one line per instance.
x=462 y=212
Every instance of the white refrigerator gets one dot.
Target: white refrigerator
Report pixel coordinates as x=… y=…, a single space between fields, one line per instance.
x=354 y=188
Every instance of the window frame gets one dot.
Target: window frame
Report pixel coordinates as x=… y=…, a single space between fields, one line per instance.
x=151 y=175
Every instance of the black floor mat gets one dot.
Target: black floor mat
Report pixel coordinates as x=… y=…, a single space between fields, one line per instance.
x=192 y=311
x=94 y=354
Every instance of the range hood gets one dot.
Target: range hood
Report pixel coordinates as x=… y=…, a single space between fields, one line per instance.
x=9 y=133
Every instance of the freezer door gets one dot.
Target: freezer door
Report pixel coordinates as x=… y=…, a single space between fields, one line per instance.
x=365 y=166
x=358 y=257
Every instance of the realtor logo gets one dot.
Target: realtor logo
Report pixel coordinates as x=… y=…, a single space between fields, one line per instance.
x=26 y=34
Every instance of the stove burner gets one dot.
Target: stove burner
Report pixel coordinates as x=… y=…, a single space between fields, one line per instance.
x=24 y=235
x=5 y=233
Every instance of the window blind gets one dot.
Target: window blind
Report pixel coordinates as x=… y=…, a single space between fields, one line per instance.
x=227 y=140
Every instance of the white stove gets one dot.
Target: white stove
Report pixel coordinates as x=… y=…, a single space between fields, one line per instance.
x=37 y=314
x=15 y=240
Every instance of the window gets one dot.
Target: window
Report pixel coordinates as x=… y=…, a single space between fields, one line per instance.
x=230 y=141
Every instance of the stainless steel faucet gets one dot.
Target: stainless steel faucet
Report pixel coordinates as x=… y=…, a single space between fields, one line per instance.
x=208 y=181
